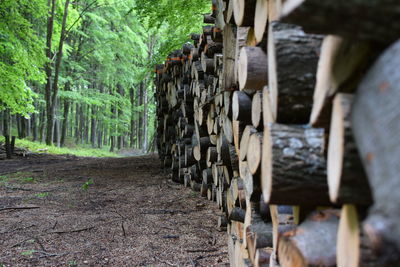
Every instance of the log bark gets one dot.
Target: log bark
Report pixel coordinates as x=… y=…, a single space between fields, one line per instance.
x=342 y=64
x=256 y=110
x=364 y=20
x=241 y=107
x=293 y=165
x=254 y=152
x=346 y=176
x=237 y=215
x=229 y=52
x=292 y=66
x=375 y=124
x=244 y=12
x=252 y=68
x=260 y=19
x=244 y=141
x=313 y=243
x=353 y=246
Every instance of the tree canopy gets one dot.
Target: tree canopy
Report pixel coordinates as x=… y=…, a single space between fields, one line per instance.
x=81 y=69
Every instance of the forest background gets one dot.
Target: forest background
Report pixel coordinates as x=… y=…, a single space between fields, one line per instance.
x=80 y=73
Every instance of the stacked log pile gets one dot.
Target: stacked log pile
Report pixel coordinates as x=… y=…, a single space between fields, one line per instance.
x=256 y=115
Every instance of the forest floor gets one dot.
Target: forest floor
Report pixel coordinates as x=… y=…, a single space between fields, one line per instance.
x=73 y=211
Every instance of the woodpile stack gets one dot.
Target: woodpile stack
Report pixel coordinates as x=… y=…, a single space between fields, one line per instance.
x=261 y=113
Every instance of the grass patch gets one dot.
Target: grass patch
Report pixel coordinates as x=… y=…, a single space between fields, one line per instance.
x=18 y=177
x=42 y=195
x=81 y=151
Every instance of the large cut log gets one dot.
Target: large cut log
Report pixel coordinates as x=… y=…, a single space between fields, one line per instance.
x=253 y=68
x=375 y=121
x=254 y=152
x=292 y=66
x=367 y=20
x=242 y=34
x=256 y=110
x=293 y=165
x=241 y=107
x=313 y=243
x=237 y=214
x=244 y=11
x=346 y=177
x=260 y=19
x=244 y=141
x=229 y=52
x=282 y=222
x=342 y=64
x=353 y=246
x=258 y=235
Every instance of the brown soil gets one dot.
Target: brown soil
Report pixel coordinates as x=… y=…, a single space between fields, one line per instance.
x=130 y=216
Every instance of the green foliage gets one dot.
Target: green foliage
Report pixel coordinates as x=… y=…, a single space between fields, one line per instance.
x=21 y=52
x=111 y=47
x=81 y=151
x=86 y=185
x=28 y=252
x=42 y=194
x=29 y=179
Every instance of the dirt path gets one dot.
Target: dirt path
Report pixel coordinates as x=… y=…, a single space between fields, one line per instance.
x=103 y=212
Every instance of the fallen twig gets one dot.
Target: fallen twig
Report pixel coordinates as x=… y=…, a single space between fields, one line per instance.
x=209 y=256
x=46 y=254
x=170 y=236
x=73 y=231
x=201 y=250
x=166 y=262
x=19 y=208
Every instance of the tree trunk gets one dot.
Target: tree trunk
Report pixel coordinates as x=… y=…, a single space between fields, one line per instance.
x=294 y=166
x=346 y=176
x=64 y=128
x=366 y=20
x=375 y=126
x=145 y=118
x=7 y=132
x=48 y=70
x=313 y=243
x=292 y=67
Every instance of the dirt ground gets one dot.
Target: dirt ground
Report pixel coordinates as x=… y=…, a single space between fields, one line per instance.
x=70 y=211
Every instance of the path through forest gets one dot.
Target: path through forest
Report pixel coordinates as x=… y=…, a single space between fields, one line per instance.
x=131 y=215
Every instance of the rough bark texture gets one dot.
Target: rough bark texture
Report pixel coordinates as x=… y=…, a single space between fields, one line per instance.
x=229 y=52
x=293 y=58
x=346 y=176
x=366 y=20
x=293 y=165
x=241 y=106
x=375 y=125
x=253 y=68
x=244 y=11
x=313 y=243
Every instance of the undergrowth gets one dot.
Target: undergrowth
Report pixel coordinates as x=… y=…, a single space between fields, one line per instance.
x=80 y=151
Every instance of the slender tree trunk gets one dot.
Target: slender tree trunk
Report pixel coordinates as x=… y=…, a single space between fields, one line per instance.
x=100 y=134
x=42 y=123
x=145 y=129
x=7 y=132
x=93 y=127
x=28 y=127
x=113 y=127
x=18 y=123
x=1 y=123
x=132 y=128
x=48 y=69
x=55 y=131
x=64 y=128
x=34 y=127
x=54 y=91
x=140 y=119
